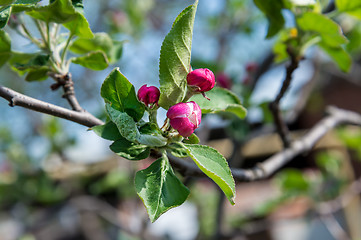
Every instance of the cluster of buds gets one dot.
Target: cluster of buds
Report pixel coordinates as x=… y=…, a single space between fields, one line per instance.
x=183 y=117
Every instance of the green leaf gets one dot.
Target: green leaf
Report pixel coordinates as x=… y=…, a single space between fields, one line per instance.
x=330 y=32
x=351 y=7
x=25 y=62
x=272 y=10
x=107 y=131
x=175 y=57
x=151 y=135
x=100 y=41
x=6 y=2
x=292 y=180
x=159 y=189
x=130 y=150
x=23 y=5
x=339 y=55
x=215 y=166
x=222 y=101
x=125 y=123
x=177 y=150
x=4 y=16
x=78 y=5
x=192 y=139
x=93 y=60
x=120 y=93
x=63 y=11
x=5 y=47
x=79 y=26
x=38 y=74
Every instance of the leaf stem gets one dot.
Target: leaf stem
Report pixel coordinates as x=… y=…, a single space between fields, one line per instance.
x=41 y=31
x=29 y=36
x=63 y=54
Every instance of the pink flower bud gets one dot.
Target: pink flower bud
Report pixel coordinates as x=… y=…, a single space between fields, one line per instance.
x=251 y=67
x=223 y=80
x=185 y=117
x=148 y=95
x=202 y=78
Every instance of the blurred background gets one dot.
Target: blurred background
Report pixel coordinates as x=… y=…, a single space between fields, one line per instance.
x=60 y=181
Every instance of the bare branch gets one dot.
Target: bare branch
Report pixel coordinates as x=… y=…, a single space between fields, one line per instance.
x=271 y=165
x=67 y=83
x=18 y=99
x=274 y=106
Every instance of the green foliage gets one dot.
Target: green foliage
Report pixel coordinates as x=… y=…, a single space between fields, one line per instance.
x=6 y=2
x=120 y=94
x=100 y=42
x=222 y=101
x=293 y=180
x=192 y=139
x=330 y=32
x=339 y=55
x=331 y=35
x=130 y=150
x=63 y=11
x=351 y=7
x=5 y=47
x=215 y=166
x=94 y=60
x=272 y=10
x=159 y=189
x=175 y=57
x=107 y=131
x=34 y=64
x=4 y=16
x=151 y=135
x=177 y=150
x=125 y=123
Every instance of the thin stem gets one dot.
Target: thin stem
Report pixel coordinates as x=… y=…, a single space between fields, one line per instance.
x=41 y=30
x=274 y=106
x=29 y=35
x=63 y=54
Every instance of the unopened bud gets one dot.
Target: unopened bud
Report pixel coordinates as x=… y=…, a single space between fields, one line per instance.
x=185 y=117
x=148 y=95
x=202 y=79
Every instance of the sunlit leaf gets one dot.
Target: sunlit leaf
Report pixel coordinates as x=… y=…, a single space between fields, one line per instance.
x=175 y=57
x=159 y=189
x=215 y=166
x=130 y=150
x=120 y=93
x=221 y=101
x=329 y=30
x=4 y=16
x=94 y=60
x=272 y=10
x=5 y=47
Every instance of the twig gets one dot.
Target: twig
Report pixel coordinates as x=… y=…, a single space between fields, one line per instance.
x=271 y=165
x=65 y=81
x=334 y=227
x=18 y=99
x=274 y=106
